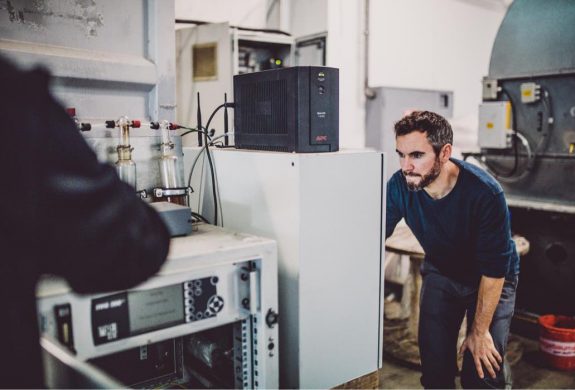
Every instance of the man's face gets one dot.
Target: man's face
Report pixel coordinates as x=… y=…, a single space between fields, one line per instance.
x=417 y=159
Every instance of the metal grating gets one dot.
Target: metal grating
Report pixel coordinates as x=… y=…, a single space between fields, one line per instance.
x=264 y=107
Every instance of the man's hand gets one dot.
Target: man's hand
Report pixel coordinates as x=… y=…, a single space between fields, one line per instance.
x=483 y=351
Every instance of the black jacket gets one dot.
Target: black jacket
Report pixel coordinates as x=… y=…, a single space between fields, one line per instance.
x=61 y=212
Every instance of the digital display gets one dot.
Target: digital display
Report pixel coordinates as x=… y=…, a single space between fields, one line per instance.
x=156 y=308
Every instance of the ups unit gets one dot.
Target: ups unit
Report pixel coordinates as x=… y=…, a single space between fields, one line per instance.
x=288 y=110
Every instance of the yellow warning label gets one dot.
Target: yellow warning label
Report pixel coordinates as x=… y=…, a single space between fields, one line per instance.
x=490 y=125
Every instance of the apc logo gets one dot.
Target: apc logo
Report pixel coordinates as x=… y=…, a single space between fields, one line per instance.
x=321 y=138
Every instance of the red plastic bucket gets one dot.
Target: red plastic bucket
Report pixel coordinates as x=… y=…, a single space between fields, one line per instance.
x=557 y=341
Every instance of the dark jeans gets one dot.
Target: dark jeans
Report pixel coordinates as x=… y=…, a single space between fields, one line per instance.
x=444 y=303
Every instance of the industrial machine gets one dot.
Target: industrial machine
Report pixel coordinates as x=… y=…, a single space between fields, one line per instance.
x=208 y=319
x=527 y=140
x=289 y=110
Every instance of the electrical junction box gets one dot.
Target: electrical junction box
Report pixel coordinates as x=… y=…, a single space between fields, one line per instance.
x=495 y=125
x=530 y=92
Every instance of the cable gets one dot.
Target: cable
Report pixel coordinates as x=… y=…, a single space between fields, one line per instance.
x=218 y=196
x=515 y=132
x=208 y=140
x=231 y=105
x=199 y=217
x=212 y=174
x=547 y=104
x=221 y=136
x=192 y=130
x=511 y=178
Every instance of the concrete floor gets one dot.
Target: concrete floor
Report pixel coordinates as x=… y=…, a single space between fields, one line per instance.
x=528 y=372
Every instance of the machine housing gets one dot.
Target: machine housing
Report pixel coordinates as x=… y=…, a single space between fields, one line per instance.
x=532 y=69
x=207 y=319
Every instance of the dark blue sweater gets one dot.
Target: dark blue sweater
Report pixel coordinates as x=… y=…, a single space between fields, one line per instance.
x=465 y=234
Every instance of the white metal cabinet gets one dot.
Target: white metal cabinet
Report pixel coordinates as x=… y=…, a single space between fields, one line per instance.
x=325 y=211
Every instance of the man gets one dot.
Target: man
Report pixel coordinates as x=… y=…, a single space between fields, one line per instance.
x=62 y=213
x=459 y=215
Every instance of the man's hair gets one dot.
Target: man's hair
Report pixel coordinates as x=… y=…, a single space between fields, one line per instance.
x=438 y=130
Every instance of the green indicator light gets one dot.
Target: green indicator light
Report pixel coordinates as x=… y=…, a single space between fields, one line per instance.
x=278 y=62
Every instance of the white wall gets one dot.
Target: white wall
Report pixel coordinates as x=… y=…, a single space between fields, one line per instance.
x=343 y=20
x=244 y=13
x=345 y=48
x=307 y=17
x=426 y=44
x=436 y=44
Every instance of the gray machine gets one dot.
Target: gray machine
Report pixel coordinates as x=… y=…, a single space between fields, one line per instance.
x=389 y=106
x=208 y=319
x=527 y=140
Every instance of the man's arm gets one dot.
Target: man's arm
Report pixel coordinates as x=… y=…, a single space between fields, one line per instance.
x=393 y=212
x=479 y=340
x=494 y=249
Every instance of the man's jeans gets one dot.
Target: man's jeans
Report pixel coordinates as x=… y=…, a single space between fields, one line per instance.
x=444 y=303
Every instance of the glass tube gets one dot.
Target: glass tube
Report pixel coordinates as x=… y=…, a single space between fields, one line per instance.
x=125 y=166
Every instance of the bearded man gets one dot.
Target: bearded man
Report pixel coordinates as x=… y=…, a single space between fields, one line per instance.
x=459 y=215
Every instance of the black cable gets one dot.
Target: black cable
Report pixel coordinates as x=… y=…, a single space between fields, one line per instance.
x=548 y=105
x=206 y=147
x=214 y=113
x=546 y=101
x=212 y=175
x=226 y=118
x=190 y=130
x=214 y=191
x=199 y=117
x=200 y=217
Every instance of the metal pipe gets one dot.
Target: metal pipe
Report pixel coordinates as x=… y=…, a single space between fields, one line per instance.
x=367 y=90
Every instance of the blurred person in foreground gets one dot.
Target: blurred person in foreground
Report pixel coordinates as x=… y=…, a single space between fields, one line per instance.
x=62 y=213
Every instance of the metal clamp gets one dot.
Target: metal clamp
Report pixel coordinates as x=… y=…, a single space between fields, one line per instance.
x=160 y=192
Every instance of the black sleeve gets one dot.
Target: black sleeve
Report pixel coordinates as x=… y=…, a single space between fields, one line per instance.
x=91 y=228
x=393 y=212
x=495 y=246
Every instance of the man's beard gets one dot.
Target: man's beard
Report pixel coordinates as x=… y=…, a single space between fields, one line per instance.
x=425 y=179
